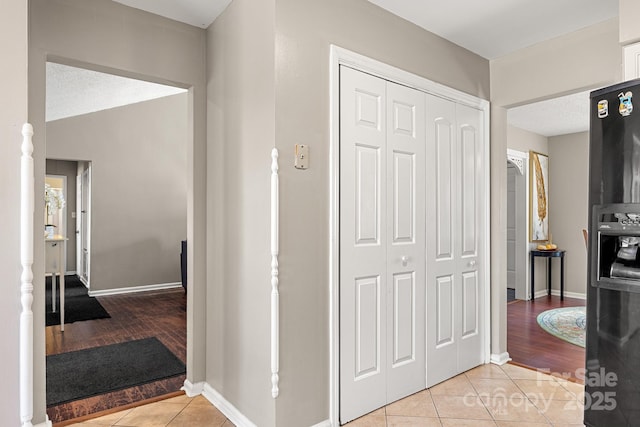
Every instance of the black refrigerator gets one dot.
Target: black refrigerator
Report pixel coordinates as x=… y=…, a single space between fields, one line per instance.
x=612 y=379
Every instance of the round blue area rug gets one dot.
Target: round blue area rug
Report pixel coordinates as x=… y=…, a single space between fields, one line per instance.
x=567 y=323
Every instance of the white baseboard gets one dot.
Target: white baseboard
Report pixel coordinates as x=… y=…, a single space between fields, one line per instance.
x=500 y=359
x=575 y=295
x=46 y=423
x=224 y=406
x=556 y=292
x=118 y=291
x=193 y=390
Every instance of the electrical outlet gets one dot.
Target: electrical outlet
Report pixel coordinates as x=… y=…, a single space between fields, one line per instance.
x=302 y=156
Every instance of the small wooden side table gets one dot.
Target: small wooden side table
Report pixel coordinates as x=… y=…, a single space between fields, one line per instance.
x=549 y=254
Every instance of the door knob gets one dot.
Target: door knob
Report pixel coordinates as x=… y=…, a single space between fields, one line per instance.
x=404 y=260
x=472 y=263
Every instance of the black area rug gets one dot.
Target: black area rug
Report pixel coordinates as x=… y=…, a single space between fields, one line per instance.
x=85 y=373
x=78 y=305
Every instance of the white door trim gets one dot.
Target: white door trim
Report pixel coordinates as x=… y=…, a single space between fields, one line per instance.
x=521 y=160
x=340 y=56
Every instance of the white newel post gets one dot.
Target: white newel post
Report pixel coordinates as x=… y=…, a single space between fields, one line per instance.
x=275 y=308
x=26 y=287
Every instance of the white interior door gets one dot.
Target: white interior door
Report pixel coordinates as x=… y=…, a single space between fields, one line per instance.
x=454 y=282
x=382 y=258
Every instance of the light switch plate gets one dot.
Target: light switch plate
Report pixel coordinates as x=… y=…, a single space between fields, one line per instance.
x=302 y=156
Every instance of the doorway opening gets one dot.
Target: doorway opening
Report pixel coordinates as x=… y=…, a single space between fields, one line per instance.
x=558 y=128
x=70 y=217
x=128 y=143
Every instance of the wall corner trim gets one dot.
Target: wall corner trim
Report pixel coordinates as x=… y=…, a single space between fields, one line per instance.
x=224 y=406
x=500 y=359
x=191 y=389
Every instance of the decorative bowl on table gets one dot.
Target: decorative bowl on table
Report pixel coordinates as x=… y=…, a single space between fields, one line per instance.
x=547 y=247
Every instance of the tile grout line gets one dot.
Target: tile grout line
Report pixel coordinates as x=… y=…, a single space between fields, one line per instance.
x=528 y=398
x=478 y=394
x=181 y=411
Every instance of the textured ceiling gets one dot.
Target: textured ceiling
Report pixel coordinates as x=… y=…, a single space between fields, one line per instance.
x=552 y=117
x=74 y=91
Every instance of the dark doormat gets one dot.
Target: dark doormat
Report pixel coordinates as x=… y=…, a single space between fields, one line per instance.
x=85 y=373
x=78 y=305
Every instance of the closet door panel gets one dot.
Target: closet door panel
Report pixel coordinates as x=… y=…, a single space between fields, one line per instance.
x=443 y=275
x=406 y=248
x=363 y=244
x=469 y=125
x=468 y=189
x=443 y=138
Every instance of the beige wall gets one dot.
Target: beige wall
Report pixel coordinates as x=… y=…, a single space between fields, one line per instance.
x=240 y=109
x=281 y=49
x=107 y=36
x=629 y=12
x=13 y=113
x=138 y=188
x=305 y=31
x=522 y=140
x=585 y=59
x=569 y=205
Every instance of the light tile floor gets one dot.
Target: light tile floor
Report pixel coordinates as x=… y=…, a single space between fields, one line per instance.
x=181 y=411
x=487 y=396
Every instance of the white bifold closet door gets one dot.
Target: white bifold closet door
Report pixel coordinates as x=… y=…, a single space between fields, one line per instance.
x=454 y=214
x=382 y=242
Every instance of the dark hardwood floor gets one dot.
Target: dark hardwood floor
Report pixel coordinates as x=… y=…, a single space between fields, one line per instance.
x=133 y=316
x=529 y=345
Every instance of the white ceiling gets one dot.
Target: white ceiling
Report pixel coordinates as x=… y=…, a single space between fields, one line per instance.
x=493 y=28
x=199 y=13
x=490 y=28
